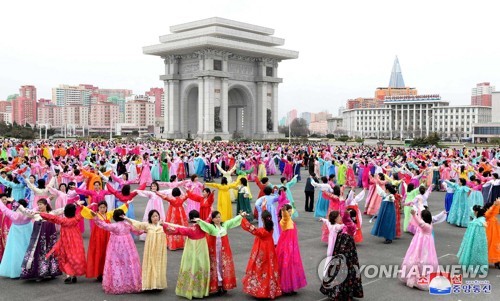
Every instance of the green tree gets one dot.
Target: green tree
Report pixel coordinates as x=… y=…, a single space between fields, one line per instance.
x=343 y=138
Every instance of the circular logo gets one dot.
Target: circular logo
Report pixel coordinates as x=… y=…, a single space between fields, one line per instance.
x=333 y=270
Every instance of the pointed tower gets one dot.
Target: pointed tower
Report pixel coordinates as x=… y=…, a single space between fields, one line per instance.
x=396 y=80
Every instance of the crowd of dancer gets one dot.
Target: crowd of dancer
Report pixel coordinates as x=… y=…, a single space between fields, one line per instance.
x=49 y=188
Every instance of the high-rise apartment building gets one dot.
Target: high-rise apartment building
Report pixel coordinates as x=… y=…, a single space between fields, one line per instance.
x=5 y=111
x=291 y=116
x=481 y=94
x=104 y=115
x=158 y=95
x=120 y=93
x=24 y=106
x=66 y=95
x=141 y=113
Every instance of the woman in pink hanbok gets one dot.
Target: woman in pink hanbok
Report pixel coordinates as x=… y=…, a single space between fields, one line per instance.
x=421 y=255
x=373 y=200
x=195 y=187
x=270 y=166
x=41 y=192
x=291 y=270
x=248 y=166
x=145 y=177
x=122 y=269
x=155 y=202
x=288 y=170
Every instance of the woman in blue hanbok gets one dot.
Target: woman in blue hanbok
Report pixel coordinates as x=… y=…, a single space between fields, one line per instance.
x=385 y=224
x=322 y=203
x=155 y=170
x=18 y=240
x=460 y=211
x=473 y=252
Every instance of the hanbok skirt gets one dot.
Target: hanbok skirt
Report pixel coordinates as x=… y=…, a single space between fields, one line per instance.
x=385 y=225
x=291 y=270
x=35 y=264
x=96 y=255
x=321 y=206
x=261 y=171
x=475 y=198
x=351 y=286
x=459 y=211
x=360 y=177
x=473 y=251
x=190 y=205
x=296 y=171
x=351 y=178
x=243 y=203
x=271 y=168
x=194 y=272
x=495 y=194
x=486 y=191
x=122 y=270
x=17 y=244
x=155 y=172
x=373 y=203
x=420 y=253
x=448 y=200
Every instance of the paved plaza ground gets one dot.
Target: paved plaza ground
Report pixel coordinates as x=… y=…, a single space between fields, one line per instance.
x=370 y=251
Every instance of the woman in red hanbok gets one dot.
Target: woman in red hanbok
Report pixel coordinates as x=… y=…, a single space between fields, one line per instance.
x=206 y=200
x=69 y=248
x=175 y=215
x=288 y=170
x=222 y=275
x=262 y=279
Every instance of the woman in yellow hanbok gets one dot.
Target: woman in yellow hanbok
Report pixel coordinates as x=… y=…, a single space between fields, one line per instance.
x=224 y=198
x=154 y=261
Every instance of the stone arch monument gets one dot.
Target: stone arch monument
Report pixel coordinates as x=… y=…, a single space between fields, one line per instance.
x=221 y=79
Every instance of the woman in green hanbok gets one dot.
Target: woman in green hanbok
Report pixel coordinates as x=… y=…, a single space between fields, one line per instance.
x=243 y=203
x=473 y=252
x=194 y=273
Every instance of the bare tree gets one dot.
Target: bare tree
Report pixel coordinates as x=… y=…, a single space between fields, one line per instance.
x=299 y=127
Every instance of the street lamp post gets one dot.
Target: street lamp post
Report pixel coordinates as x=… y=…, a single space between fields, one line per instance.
x=111 y=129
x=289 y=133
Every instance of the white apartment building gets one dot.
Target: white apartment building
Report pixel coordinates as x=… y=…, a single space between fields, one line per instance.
x=65 y=95
x=414 y=116
x=140 y=112
x=6 y=117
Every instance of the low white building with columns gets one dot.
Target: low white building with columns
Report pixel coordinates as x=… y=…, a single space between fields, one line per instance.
x=222 y=78
x=414 y=116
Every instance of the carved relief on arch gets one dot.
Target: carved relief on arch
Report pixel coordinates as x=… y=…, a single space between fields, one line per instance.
x=211 y=53
x=170 y=59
